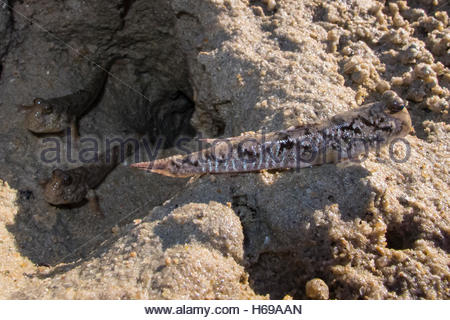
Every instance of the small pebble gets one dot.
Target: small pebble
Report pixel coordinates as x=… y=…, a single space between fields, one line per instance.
x=317 y=289
x=115 y=229
x=382 y=86
x=271 y=4
x=258 y=11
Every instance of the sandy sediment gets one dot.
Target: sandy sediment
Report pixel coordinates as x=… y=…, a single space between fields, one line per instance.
x=373 y=230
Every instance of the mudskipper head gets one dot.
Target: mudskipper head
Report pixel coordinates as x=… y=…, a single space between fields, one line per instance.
x=42 y=117
x=63 y=188
x=395 y=107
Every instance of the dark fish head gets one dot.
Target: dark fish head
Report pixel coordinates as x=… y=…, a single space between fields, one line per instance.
x=393 y=102
x=42 y=117
x=64 y=188
x=395 y=107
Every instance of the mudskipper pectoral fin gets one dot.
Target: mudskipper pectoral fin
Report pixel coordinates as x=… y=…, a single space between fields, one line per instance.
x=94 y=204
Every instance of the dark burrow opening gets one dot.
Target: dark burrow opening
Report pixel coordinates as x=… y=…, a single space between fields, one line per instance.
x=402 y=235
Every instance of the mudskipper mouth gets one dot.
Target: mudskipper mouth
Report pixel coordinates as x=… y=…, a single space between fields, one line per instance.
x=51 y=199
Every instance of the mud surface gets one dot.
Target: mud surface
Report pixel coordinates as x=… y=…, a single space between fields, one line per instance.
x=372 y=230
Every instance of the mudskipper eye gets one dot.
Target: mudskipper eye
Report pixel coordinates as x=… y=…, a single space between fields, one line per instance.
x=38 y=101
x=67 y=180
x=47 y=109
x=393 y=102
x=396 y=106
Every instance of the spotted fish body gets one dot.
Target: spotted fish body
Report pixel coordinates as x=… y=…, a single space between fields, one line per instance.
x=56 y=114
x=344 y=136
x=72 y=186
